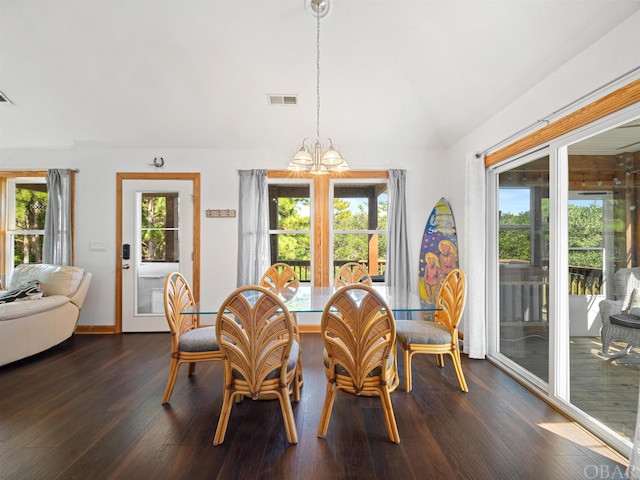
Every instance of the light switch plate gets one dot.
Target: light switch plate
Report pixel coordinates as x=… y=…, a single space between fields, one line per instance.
x=97 y=246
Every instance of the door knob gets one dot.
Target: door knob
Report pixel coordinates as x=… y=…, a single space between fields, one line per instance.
x=126 y=266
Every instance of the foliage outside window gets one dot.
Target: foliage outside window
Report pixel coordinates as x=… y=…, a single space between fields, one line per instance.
x=360 y=226
x=585 y=233
x=27 y=217
x=290 y=227
x=159 y=229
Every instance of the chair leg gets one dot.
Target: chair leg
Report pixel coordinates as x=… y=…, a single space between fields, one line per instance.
x=389 y=417
x=457 y=365
x=287 y=416
x=192 y=368
x=440 y=360
x=173 y=374
x=225 y=413
x=408 y=380
x=325 y=416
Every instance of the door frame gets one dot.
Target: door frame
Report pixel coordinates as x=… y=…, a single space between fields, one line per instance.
x=194 y=177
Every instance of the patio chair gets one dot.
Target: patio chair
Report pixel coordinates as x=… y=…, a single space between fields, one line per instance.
x=618 y=320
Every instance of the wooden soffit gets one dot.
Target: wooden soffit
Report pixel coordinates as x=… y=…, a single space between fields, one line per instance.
x=621 y=98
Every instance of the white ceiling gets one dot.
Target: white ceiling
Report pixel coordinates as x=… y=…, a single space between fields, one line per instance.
x=196 y=74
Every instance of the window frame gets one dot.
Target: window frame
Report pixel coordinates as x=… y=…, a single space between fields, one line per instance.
x=332 y=231
x=5 y=175
x=310 y=232
x=321 y=209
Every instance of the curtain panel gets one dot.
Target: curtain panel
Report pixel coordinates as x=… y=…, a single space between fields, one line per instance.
x=254 y=253
x=57 y=247
x=398 y=266
x=474 y=319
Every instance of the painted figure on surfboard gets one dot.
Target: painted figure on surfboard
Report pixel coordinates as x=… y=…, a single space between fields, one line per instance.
x=432 y=277
x=448 y=256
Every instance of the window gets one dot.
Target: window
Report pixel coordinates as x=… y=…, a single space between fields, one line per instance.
x=22 y=220
x=290 y=226
x=360 y=226
x=159 y=232
x=320 y=222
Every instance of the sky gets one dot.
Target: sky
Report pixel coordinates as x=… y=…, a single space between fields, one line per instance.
x=516 y=200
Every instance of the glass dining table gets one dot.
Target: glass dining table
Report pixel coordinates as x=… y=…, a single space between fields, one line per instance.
x=308 y=299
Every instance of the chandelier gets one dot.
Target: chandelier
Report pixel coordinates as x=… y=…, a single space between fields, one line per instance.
x=323 y=156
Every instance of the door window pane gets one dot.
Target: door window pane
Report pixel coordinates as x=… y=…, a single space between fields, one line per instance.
x=523 y=252
x=159 y=236
x=603 y=239
x=159 y=227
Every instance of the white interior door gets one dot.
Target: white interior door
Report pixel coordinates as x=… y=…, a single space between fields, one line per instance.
x=157 y=227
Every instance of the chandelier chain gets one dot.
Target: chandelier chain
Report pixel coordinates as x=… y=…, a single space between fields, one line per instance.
x=318 y=74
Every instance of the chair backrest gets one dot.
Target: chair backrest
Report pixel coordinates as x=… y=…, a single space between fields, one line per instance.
x=178 y=297
x=359 y=333
x=255 y=332
x=282 y=279
x=350 y=273
x=625 y=281
x=451 y=299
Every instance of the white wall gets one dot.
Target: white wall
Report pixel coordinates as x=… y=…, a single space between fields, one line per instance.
x=96 y=202
x=616 y=54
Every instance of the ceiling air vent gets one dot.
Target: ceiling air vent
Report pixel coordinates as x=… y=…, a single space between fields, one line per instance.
x=278 y=99
x=3 y=98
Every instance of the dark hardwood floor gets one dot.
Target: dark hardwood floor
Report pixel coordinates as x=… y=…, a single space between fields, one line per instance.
x=90 y=409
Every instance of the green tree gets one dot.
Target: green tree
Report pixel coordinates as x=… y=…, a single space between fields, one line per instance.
x=585 y=231
x=31 y=206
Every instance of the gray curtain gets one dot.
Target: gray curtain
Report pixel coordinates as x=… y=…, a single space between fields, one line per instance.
x=398 y=268
x=57 y=222
x=254 y=255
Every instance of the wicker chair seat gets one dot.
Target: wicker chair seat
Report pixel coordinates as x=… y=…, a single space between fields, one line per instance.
x=201 y=339
x=422 y=332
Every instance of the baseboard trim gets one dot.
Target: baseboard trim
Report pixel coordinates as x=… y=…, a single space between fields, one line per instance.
x=95 y=329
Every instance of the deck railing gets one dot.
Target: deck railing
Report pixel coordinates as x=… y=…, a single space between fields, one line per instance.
x=585 y=281
x=303 y=268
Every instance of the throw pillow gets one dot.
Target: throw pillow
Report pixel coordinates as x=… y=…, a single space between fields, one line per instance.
x=634 y=299
x=29 y=291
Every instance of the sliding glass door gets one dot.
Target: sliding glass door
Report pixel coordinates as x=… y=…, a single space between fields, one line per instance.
x=566 y=222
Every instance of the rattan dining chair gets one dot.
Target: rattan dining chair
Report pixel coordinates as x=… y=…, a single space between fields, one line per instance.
x=352 y=272
x=256 y=335
x=437 y=338
x=190 y=343
x=283 y=280
x=358 y=332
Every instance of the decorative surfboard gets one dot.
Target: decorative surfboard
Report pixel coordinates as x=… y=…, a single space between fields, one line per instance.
x=438 y=251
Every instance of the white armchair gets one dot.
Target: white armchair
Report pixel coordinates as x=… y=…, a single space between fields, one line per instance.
x=625 y=281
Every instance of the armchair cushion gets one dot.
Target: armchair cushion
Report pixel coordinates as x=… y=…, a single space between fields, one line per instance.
x=625 y=320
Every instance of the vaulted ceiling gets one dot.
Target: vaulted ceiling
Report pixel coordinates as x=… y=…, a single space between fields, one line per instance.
x=197 y=74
